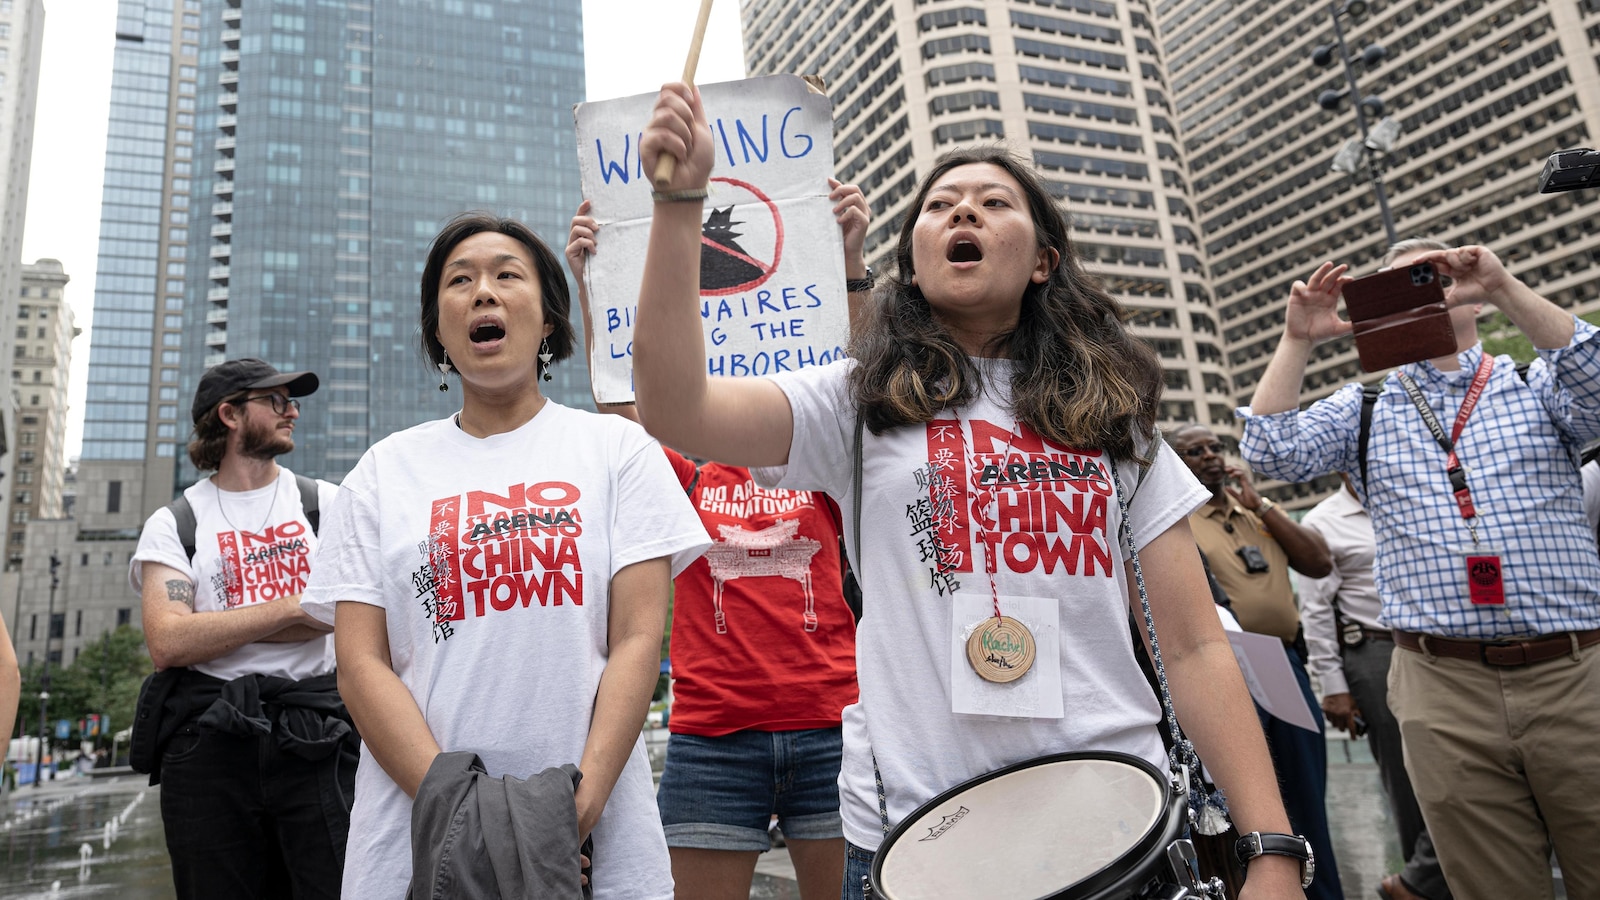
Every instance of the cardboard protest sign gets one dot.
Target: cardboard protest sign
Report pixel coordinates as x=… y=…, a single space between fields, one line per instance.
x=772 y=292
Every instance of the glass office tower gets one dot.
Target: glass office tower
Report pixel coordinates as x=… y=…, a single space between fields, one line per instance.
x=275 y=171
x=334 y=139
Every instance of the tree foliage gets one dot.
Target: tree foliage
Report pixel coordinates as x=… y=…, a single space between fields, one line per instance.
x=104 y=679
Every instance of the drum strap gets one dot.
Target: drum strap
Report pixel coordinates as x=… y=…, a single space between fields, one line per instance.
x=1207 y=809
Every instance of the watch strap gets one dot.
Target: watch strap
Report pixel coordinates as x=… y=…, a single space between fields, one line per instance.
x=1257 y=843
x=858 y=285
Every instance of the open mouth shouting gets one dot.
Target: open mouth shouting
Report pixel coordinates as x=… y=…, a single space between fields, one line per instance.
x=487 y=332
x=963 y=250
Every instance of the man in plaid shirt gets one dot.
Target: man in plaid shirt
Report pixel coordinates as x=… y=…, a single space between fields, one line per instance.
x=1486 y=566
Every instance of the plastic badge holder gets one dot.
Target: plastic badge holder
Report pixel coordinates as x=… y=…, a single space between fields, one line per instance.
x=1399 y=317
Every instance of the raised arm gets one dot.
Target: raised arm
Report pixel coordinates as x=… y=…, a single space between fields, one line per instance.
x=637 y=617
x=179 y=636
x=385 y=712
x=580 y=246
x=1312 y=317
x=1211 y=700
x=740 y=421
x=1480 y=277
x=1307 y=551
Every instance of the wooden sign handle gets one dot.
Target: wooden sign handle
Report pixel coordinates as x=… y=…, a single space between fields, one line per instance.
x=666 y=165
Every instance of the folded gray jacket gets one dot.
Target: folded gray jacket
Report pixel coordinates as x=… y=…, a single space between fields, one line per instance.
x=474 y=836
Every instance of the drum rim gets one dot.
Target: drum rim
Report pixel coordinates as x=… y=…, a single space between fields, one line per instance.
x=1174 y=807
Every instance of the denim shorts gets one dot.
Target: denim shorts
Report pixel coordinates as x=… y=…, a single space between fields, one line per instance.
x=857 y=869
x=721 y=793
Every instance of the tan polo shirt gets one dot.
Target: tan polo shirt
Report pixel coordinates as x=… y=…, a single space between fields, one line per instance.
x=1263 y=602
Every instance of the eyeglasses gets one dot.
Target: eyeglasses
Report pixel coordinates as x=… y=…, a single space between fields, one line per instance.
x=1199 y=450
x=280 y=403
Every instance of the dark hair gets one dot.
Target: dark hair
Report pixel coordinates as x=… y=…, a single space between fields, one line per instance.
x=1079 y=378
x=209 y=442
x=552 y=280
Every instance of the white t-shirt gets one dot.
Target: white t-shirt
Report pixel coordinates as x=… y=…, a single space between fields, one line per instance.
x=1058 y=538
x=267 y=556
x=492 y=559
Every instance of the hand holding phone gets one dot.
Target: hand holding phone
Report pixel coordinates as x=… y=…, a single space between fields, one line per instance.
x=1399 y=316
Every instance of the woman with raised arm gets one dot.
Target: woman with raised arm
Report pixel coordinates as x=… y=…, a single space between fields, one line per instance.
x=500 y=581
x=1002 y=397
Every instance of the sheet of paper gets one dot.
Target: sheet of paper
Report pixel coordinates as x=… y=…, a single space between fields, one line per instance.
x=1265 y=665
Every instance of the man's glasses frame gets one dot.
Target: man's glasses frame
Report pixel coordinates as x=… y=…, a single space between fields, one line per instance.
x=280 y=403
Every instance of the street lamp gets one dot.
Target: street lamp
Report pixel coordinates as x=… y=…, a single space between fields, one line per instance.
x=44 y=677
x=1380 y=138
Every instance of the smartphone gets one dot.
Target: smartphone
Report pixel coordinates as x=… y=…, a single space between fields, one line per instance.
x=1400 y=317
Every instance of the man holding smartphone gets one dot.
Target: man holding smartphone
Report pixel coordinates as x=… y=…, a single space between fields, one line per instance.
x=1485 y=564
x=1250 y=545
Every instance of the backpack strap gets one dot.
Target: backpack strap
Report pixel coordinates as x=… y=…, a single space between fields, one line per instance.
x=183 y=514
x=309 y=501
x=1369 y=399
x=688 y=489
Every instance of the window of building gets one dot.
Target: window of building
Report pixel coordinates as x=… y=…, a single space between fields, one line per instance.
x=114 y=497
x=124 y=616
x=77 y=625
x=24 y=476
x=40 y=335
x=19 y=517
x=28 y=438
x=58 y=625
x=22 y=312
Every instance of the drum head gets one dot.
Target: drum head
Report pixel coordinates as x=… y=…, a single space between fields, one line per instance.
x=1033 y=830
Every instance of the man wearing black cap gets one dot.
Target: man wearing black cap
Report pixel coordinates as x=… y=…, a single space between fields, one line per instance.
x=256 y=757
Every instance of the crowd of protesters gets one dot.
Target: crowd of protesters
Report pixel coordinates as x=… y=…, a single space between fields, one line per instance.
x=1448 y=603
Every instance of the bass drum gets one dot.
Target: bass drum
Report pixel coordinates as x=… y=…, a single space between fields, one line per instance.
x=1076 y=826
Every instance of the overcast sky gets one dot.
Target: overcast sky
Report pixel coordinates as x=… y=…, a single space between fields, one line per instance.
x=632 y=46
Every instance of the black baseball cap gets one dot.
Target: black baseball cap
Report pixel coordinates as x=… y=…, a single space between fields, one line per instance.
x=248 y=374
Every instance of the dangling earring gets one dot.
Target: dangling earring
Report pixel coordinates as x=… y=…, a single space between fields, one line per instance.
x=544 y=358
x=444 y=369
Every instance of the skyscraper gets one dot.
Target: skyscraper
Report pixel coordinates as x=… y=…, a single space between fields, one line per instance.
x=307 y=154
x=1483 y=90
x=21 y=35
x=1078 y=85
x=43 y=337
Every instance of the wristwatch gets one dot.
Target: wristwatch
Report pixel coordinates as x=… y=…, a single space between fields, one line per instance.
x=858 y=285
x=1257 y=844
x=1266 y=506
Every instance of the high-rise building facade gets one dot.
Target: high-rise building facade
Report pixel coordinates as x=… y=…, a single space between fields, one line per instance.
x=1484 y=91
x=293 y=160
x=43 y=341
x=1078 y=86
x=21 y=37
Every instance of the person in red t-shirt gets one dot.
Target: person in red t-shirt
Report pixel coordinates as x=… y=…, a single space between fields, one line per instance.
x=763 y=653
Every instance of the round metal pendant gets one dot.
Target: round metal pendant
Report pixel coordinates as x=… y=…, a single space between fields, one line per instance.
x=1001 y=650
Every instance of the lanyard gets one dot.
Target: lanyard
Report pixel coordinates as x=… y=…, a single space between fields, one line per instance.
x=1458 y=475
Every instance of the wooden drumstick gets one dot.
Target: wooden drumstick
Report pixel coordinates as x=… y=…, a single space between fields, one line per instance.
x=666 y=165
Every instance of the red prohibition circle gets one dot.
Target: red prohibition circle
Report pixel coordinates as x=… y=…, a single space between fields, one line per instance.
x=767 y=269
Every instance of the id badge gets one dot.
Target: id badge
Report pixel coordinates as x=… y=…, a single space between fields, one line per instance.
x=1037 y=693
x=1485 y=576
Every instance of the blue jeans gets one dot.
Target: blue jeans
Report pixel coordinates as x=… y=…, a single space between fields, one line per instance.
x=720 y=793
x=857 y=867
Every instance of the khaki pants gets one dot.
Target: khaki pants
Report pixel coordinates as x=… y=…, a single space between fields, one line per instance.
x=1503 y=761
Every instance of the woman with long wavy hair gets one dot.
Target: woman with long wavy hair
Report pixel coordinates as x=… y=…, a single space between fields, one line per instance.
x=1002 y=397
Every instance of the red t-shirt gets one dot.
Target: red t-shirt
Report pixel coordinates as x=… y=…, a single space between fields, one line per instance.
x=761 y=636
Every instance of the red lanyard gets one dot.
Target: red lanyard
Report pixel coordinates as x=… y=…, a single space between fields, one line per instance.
x=1458 y=476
